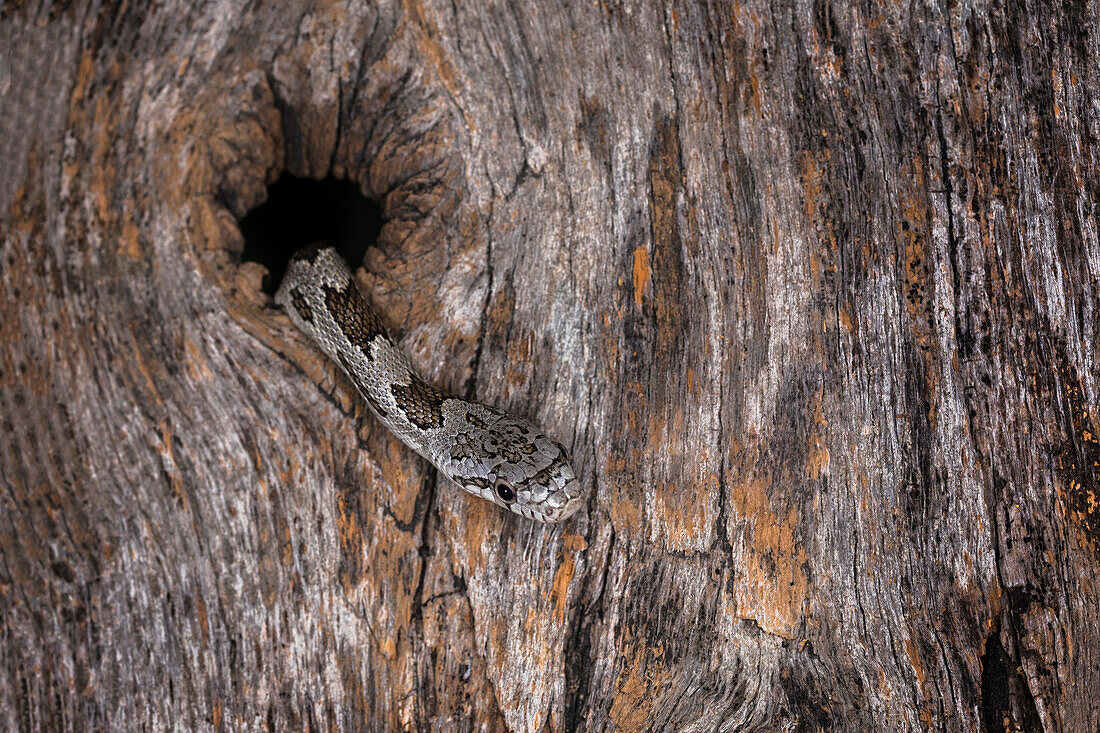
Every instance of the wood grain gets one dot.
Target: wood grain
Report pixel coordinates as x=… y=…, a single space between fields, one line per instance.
x=809 y=289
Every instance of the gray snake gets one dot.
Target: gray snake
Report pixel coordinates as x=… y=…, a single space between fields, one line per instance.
x=496 y=456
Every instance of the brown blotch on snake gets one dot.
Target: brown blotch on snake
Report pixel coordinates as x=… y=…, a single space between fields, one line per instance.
x=301 y=304
x=351 y=313
x=421 y=402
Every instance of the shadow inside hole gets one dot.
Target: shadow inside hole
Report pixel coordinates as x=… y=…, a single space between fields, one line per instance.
x=300 y=211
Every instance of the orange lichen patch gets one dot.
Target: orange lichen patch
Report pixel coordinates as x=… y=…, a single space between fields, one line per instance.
x=517 y=370
x=635 y=407
x=819 y=413
x=530 y=626
x=28 y=208
x=917 y=281
x=501 y=312
x=817 y=460
x=200 y=608
x=574 y=542
x=817 y=453
x=85 y=72
x=772 y=588
x=623 y=466
x=138 y=362
x=754 y=92
x=671 y=243
x=665 y=435
x=815 y=269
x=20 y=214
x=1083 y=505
x=812 y=187
x=913 y=227
x=609 y=343
x=918 y=671
x=994 y=597
x=350 y=531
x=560 y=585
x=626 y=492
x=884 y=686
x=129 y=242
x=100 y=179
x=475 y=528
x=388 y=647
x=632 y=704
x=195 y=362
x=1077 y=461
x=846 y=319
x=639 y=685
x=627 y=495
x=101 y=189
x=431 y=50
x=642 y=273
x=286 y=547
x=683 y=513
x=496 y=646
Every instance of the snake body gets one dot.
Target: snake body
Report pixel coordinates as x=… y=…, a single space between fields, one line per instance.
x=496 y=456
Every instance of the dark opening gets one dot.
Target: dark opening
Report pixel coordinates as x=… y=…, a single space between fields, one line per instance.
x=1007 y=702
x=299 y=211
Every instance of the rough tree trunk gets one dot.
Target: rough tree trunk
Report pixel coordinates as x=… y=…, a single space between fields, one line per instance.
x=810 y=290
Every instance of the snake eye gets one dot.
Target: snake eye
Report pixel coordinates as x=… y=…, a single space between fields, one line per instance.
x=504 y=491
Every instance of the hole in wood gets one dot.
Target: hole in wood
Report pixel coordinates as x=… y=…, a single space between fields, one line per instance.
x=299 y=211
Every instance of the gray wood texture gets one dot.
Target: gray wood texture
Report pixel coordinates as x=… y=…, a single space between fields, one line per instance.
x=809 y=289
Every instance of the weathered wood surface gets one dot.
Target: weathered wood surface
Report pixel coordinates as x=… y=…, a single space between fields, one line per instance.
x=809 y=289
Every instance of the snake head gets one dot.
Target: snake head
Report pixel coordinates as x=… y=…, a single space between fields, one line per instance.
x=512 y=463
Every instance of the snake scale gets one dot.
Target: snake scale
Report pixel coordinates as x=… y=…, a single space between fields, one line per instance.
x=496 y=456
